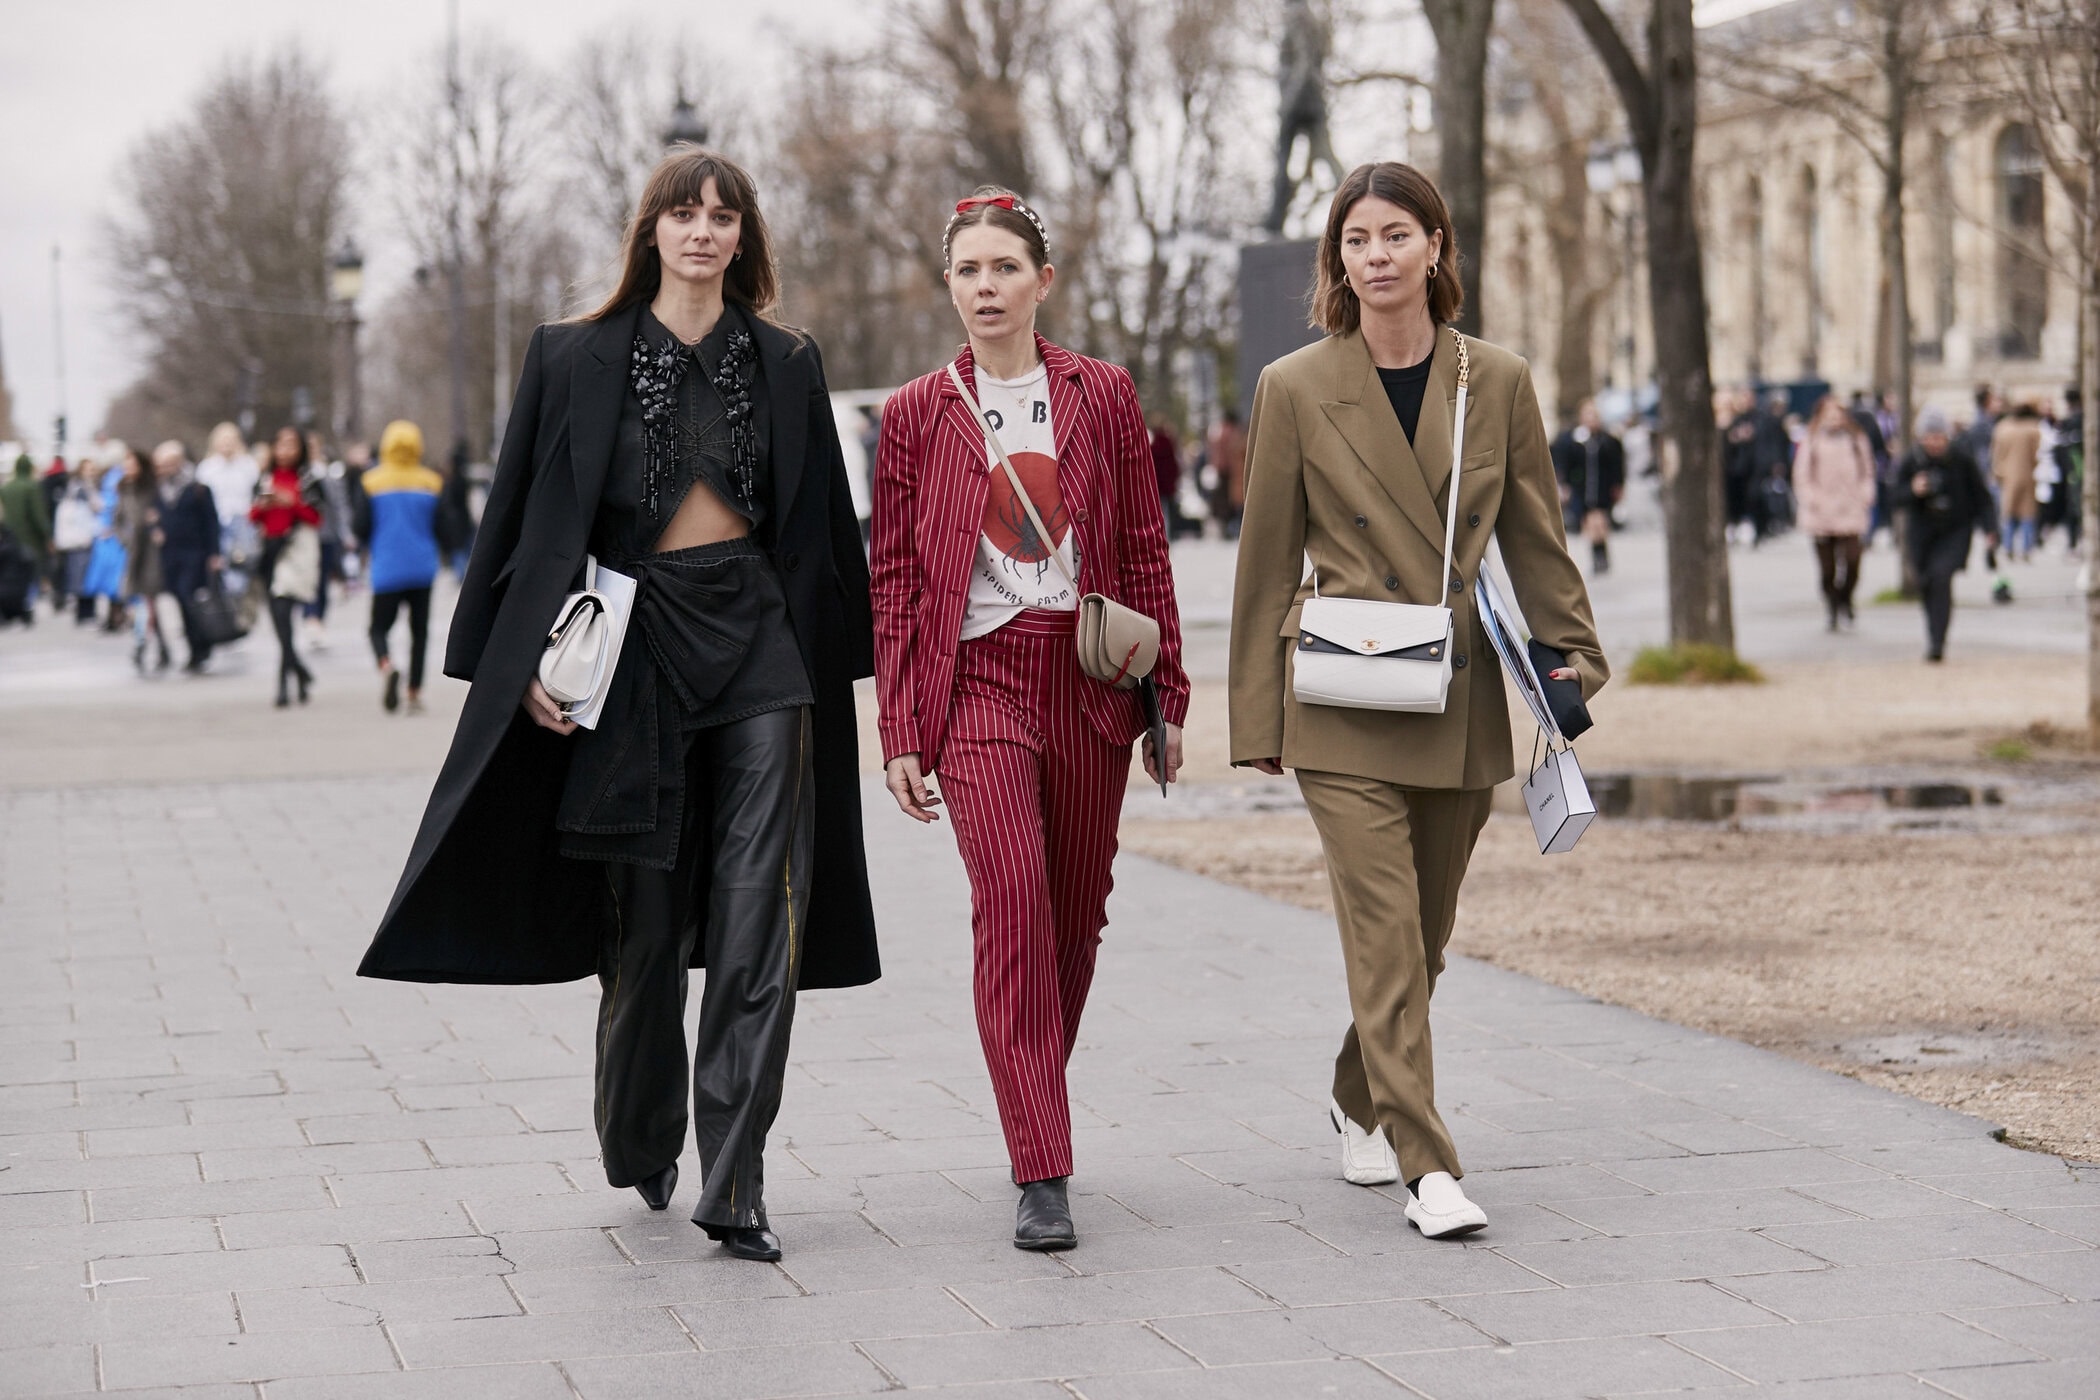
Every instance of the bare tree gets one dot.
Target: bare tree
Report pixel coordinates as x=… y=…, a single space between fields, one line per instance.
x=1155 y=204
x=858 y=215
x=1461 y=28
x=2046 y=55
x=1867 y=68
x=972 y=58
x=622 y=88
x=1118 y=123
x=1556 y=182
x=471 y=159
x=1661 y=98
x=221 y=259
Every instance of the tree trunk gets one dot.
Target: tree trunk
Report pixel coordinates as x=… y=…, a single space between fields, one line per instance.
x=1700 y=607
x=1895 y=242
x=1461 y=28
x=1567 y=231
x=1896 y=331
x=1662 y=109
x=2088 y=407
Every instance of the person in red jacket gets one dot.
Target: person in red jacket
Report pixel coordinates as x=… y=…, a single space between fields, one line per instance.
x=976 y=666
x=291 y=562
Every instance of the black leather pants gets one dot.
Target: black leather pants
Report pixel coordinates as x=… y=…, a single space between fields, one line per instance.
x=751 y=818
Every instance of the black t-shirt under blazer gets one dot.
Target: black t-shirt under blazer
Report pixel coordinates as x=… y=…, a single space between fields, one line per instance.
x=1332 y=473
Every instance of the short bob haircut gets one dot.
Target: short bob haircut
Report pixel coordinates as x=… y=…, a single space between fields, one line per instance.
x=1334 y=306
x=753 y=279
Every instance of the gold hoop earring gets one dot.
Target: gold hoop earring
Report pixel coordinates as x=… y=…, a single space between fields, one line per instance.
x=1432 y=271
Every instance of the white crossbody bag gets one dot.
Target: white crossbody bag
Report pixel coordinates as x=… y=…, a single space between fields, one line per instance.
x=1363 y=655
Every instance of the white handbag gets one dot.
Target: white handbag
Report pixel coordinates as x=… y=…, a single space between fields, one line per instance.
x=583 y=644
x=1358 y=654
x=298 y=572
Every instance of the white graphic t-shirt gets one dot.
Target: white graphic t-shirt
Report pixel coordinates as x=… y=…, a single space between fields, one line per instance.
x=1014 y=569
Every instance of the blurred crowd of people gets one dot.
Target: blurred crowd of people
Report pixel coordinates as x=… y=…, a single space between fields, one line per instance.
x=2014 y=473
x=129 y=542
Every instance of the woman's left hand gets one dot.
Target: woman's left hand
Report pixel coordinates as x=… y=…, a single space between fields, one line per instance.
x=1173 y=756
x=1564 y=673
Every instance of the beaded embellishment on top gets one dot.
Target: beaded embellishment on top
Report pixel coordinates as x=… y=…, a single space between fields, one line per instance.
x=657 y=371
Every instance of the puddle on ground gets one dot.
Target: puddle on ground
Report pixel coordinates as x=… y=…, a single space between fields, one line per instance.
x=1950 y=1049
x=1830 y=801
x=1673 y=797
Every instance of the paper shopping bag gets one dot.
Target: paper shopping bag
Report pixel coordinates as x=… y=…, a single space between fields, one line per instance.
x=1559 y=802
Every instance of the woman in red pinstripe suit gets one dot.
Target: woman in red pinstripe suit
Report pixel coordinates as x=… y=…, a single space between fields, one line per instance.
x=977 y=671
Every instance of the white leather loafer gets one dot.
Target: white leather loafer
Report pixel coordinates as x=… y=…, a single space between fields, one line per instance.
x=1440 y=1210
x=1367 y=1158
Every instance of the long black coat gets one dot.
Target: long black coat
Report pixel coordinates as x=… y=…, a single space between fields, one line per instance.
x=486 y=897
x=1942 y=520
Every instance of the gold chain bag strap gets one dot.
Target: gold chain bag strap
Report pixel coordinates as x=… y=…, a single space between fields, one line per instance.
x=1118 y=646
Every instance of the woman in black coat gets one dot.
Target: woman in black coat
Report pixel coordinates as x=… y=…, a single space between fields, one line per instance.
x=712 y=817
x=1944 y=493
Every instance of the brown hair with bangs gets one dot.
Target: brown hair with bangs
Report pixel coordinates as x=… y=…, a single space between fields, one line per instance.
x=1334 y=305
x=752 y=281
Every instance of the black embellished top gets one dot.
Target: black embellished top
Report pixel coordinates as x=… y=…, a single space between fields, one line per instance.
x=692 y=413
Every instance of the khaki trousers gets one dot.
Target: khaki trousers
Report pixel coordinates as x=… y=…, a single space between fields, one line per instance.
x=1395 y=859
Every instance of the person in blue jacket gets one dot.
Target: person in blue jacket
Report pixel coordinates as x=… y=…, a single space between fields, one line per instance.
x=397 y=525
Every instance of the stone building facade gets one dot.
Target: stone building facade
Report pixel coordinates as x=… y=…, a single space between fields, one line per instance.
x=1789 y=212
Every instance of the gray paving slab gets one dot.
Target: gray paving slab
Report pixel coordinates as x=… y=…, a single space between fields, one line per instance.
x=2037 y=1380
x=276 y=1176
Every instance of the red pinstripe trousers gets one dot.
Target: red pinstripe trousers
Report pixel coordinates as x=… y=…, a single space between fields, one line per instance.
x=1035 y=794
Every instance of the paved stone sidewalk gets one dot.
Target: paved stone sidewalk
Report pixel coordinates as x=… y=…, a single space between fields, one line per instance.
x=233 y=1170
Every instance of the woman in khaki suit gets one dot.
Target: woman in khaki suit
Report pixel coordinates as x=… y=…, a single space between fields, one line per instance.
x=1348 y=462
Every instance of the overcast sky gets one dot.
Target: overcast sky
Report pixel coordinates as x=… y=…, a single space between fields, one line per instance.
x=81 y=80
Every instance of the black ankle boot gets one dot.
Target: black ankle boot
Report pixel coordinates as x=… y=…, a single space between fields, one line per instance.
x=656 y=1190
x=745 y=1242
x=1043 y=1220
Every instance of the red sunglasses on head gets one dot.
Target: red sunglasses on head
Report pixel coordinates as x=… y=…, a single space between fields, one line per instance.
x=977 y=201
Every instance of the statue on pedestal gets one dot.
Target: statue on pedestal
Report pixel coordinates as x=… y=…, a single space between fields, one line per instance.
x=1302 y=108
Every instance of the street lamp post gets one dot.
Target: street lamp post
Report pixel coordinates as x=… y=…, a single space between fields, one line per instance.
x=686 y=128
x=346 y=279
x=1609 y=170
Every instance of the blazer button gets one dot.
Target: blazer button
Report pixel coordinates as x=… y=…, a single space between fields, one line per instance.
x=791 y=561
x=1459 y=661
x=1474 y=520
x=1391 y=582
x=1080 y=515
x=1457 y=583
x=1362 y=523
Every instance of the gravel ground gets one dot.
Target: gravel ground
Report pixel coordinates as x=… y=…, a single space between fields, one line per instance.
x=1957 y=959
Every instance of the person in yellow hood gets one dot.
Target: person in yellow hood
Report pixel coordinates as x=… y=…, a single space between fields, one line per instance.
x=397 y=525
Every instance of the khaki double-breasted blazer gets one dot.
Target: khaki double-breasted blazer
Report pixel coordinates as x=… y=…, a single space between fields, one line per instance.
x=1331 y=475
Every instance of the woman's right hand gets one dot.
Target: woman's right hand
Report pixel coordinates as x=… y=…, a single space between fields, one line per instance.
x=902 y=776
x=545 y=713
x=1272 y=766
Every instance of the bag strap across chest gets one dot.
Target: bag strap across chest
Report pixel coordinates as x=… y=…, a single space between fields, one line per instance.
x=1042 y=531
x=1458 y=452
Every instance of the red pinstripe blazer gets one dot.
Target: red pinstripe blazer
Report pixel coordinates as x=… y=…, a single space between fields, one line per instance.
x=931 y=476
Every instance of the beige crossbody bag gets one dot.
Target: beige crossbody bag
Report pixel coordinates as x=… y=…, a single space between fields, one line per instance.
x=1118 y=646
